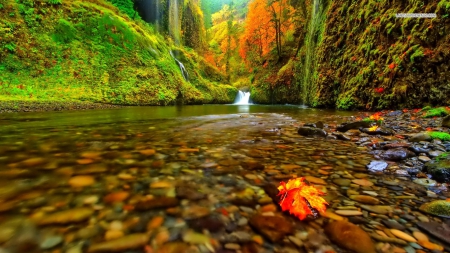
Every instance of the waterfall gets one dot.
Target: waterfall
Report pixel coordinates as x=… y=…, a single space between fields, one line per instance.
x=174 y=21
x=242 y=98
x=183 y=70
x=308 y=85
x=157 y=15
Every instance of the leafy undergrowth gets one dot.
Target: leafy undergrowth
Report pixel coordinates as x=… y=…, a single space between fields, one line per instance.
x=90 y=51
x=440 y=135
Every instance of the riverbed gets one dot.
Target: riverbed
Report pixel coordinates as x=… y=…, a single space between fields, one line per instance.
x=194 y=179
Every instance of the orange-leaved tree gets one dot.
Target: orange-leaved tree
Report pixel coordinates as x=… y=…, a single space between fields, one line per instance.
x=259 y=32
x=266 y=24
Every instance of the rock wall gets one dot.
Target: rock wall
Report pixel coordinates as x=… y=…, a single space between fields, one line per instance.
x=370 y=59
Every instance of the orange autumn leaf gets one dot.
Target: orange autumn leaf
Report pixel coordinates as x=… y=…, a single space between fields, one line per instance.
x=299 y=198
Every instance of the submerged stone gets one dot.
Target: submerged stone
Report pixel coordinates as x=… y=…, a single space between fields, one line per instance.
x=350 y=236
x=274 y=228
x=311 y=131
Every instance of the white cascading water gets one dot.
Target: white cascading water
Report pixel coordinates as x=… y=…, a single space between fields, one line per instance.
x=242 y=98
x=181 y=66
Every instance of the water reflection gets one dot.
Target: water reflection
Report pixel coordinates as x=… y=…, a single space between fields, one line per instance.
x=243 y=108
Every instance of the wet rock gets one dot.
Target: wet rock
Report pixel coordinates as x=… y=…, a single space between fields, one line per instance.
x=342 y=181
x=68 y=216
x=354 y=125
x=157 y=202
x=173 y=247
x=439 y=170
x=311 y=131
x=439 y=230
x=133 y=241
x=252 y=165
x=194 y=212
x=378 y=131
x=212 y=223
x=319 y=124
x=393 y=224
x=189 y=192
x=378 y=209
x=50 y=241
x=341 y=136
x=247 y=202
x=419 y=148
x=446 y=121
x=396 y=154
x=310 y=125
x=272 y=191
x=437 y=207
x=365 y=199
x=394 y=113
x=350 y=236
x=274 y=228
x=425 y=182
x=25 y=237
x=396 y=145
x=377 y=166
x=195 y=238
x=88 y=232
x=423 y=136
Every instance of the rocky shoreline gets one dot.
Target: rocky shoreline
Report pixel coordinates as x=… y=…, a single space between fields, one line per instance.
x=41 y=106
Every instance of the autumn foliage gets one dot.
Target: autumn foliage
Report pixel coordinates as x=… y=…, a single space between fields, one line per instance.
x=265 y=24
x=299 y=198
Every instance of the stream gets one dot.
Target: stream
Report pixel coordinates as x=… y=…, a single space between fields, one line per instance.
x=191 y=179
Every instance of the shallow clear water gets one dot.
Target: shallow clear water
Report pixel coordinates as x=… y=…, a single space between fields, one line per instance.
x=57 y=161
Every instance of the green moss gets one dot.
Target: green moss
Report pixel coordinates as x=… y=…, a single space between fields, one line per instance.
x=427 y=108
x=65 y=32
x=437 y=207
x=436 y=112
x=440 y=135
x=418 y=54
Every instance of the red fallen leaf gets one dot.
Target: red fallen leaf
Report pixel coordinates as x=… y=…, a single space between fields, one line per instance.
x=299 y=197
x=429 y=129
x=392 y=65
x=405 y=110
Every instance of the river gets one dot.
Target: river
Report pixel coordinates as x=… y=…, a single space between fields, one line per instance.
x=182 y=179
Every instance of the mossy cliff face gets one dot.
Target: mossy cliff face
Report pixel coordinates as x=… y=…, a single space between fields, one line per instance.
x=369 y=59
x=89 y=50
